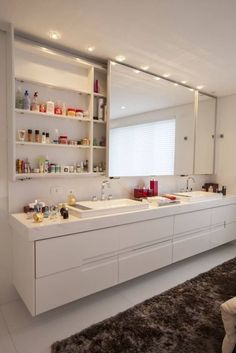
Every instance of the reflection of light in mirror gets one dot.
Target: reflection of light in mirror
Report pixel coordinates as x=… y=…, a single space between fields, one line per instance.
x=166 y=75
x=137 y=71
x=113 y=63
x=176 y=84
x=184 y=82
x=156 y=78
x=191 y=89
x=144 y=67
x=120 y=58
x=200 y=87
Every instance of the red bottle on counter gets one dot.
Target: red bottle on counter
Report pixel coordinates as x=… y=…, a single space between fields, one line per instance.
x=154 y=187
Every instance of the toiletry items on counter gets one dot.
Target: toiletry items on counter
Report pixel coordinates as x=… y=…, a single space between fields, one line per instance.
x=143 y=192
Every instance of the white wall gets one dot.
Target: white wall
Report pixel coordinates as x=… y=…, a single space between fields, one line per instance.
x=226 y=147
x=6 y=290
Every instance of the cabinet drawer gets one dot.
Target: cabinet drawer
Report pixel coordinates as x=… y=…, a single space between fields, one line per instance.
x=221 y=235
x=147 y=231
x=218 y=215
x=141 y=261
x=62 y=253
x=192 y=221
x=64 y=287
x=230 y=213
x=191 y=245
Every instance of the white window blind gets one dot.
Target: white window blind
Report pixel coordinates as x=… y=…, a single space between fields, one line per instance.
x=145 y=149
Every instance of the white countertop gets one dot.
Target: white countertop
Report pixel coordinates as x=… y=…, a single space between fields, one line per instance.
x=32 y=231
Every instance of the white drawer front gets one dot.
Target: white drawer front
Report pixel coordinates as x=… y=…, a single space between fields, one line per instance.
x=219 y=215
x=64 y=287
x=192 y=221
x=221 y=235
x=146 y=231
x=62 y=253
x=139 y=262
x=230 y=213
x=190 y=245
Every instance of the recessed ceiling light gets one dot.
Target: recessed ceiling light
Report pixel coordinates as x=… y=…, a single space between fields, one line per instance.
x=120 y=58
x=90 y=48
x=122 y=107
x=144 y=67
x=136 y=71
x=200 y=87
x=176 y=84
x=184 y=82
x=191 y=89
x=156 y=78
x=54 y=35
x=113 y=63
x=166 y=75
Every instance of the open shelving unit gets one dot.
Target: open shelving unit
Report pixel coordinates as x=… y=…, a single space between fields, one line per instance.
x=62 y=79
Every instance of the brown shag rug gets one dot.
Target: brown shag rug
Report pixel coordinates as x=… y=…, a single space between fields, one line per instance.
x=184 y=319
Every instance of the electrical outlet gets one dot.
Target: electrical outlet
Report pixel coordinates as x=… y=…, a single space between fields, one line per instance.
x=57 y=190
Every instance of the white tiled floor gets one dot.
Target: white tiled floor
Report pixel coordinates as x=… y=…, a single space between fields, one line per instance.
x=20 y=333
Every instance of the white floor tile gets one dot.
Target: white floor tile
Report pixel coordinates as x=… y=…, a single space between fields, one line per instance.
x=35 y=335
x=3 y=326
x=6 y=344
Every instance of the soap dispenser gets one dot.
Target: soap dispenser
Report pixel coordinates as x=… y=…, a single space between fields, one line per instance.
x=71 y=199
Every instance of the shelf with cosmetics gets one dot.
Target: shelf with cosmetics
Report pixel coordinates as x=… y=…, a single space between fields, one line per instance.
x=59 y=114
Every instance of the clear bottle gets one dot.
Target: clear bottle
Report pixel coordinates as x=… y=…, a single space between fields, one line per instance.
x=56 y=136
x=19 y=98
x=43 y=137
x=71 y=199
x=47 y=137
x=35 y=104
x=26 y=101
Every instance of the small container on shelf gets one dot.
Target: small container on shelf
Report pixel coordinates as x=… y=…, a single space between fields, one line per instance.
x=71 y=112
x=47 y=137
x=79 y=113
x=43 y=140
x=63 y=140
x=36 y=136
x=30 y=135
x=50 y=107
x=58 y=109
x=21 y=135
x=42 y=107
x=35 y=107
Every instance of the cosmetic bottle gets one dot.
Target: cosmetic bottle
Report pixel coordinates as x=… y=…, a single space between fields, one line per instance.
x=50 y=107
x=47 y=137
x=19 y=98
x=36 y=136
x=154 y=187
x=71 y=199
x=26 y=101
x=35 y=105
x=43 y=137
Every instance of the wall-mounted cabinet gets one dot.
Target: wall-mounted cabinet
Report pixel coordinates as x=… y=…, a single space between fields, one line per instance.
x=59 y=129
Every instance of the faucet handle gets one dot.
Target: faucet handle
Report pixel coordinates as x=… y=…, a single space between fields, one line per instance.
x=109 y=197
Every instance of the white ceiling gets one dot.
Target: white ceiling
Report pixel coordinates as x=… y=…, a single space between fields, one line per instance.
x=193 y=40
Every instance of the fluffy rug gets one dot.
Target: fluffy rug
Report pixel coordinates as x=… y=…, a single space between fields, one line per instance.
x=184 y=319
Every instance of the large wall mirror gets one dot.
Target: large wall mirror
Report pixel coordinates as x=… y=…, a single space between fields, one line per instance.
x=152 y=126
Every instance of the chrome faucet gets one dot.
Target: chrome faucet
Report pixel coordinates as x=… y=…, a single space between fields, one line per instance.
x=187 y=183
x=104 y=183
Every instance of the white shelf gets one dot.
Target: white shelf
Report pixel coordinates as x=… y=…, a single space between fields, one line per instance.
x=24 y=176
x=57 y=145
x=49 y=85
x=99 y=147
x=54 y=116
x=99 y=121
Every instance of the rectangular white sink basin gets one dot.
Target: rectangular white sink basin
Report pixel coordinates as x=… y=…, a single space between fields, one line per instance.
x=194 y=196
x=86 y=209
